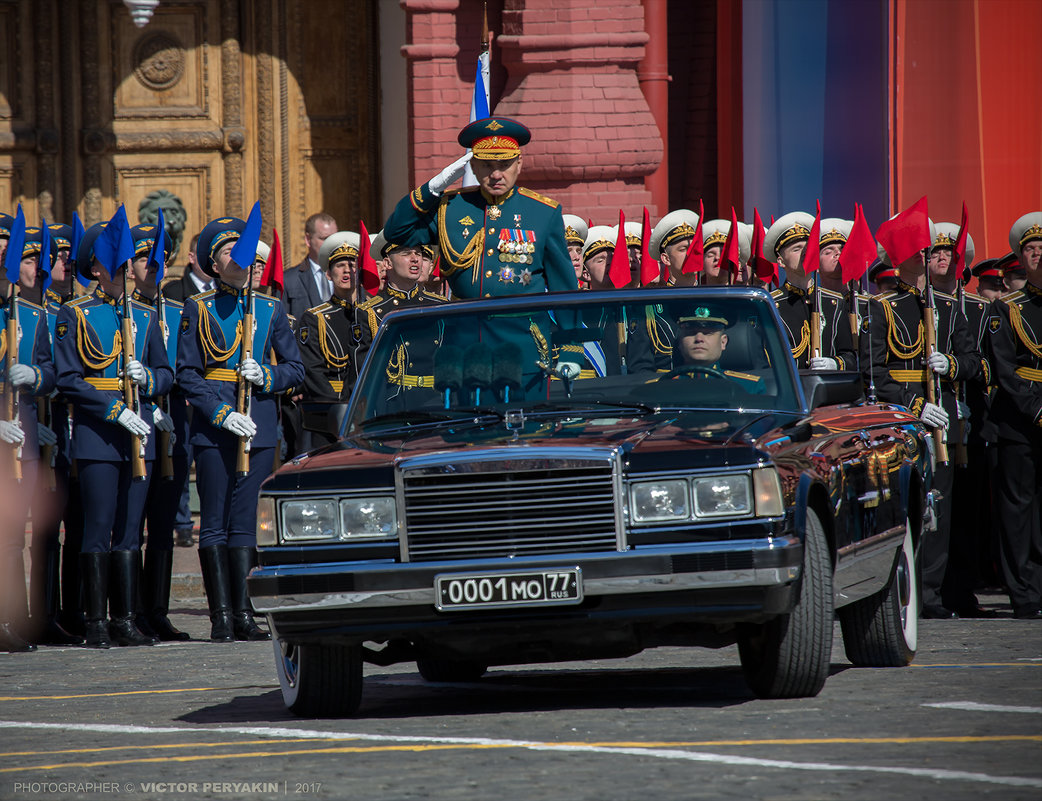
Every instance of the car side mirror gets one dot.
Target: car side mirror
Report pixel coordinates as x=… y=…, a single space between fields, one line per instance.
x=830 y=387
x=326 y=418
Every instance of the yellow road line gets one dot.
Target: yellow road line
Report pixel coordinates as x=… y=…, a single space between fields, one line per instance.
x=129 y=692
x=167 y=745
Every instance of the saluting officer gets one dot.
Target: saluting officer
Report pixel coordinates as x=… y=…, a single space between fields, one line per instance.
x=899 y=369
x=210 y=363
x=30 y=377
x=324 y=333
x=89 y=351
x=786 y=241
x=1016 y=342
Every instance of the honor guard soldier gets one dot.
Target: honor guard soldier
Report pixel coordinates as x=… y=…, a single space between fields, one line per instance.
x=223 y=359
x=575 y=230
x=27 y=373
x=714 y=237
x=495 y=238
x=883 y=275
x=833 y=233
x=170 y=470
x=110 y=359
x=412 y=363
x=801 y=301
x=899 y=370
x=1015 y=334
x=325 y=333
x=669 y=243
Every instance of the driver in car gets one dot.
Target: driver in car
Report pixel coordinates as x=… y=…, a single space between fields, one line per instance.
x=701 y=342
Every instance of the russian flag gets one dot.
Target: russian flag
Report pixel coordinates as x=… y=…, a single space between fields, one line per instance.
x=479 y=109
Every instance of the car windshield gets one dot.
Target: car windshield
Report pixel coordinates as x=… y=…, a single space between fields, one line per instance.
x=641 y=351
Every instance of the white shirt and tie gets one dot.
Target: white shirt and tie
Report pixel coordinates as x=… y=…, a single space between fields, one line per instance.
x=324 y=285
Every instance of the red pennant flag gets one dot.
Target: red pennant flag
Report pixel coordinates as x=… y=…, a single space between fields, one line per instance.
x=367 y=268
x=860 y=250
x=811 y=254
x=959 y=251
x=272 y=275
x=731 y=253
x=436 y=270
x=619 y=270
x=649 y=268
x=763 y=269
x=694 y=258
x=906 y=234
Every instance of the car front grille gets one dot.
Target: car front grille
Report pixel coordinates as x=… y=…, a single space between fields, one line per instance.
x=494 y=505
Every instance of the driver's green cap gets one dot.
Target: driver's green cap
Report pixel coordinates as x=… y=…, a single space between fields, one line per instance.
x=703 y=313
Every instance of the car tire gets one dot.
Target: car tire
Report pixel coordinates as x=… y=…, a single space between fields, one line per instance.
x=452 y=670
x=319 y=681
x=789 y=656
x=883 y=629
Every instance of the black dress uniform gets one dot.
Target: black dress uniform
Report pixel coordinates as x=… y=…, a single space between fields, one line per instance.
x=327 y=342
x=208 y=360
x=796 y=307
x=895 y=338
x=1015 y=336
x=89 y=356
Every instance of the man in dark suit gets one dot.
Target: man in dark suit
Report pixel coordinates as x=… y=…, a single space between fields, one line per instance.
x=191 y=283
x=306 y=285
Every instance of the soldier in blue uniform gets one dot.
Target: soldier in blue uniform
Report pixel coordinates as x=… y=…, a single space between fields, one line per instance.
x=106 y=432
x=210 y=363
x=30 y=377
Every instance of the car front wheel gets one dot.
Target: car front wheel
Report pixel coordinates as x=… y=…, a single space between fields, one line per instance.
x=789 y=657
x=319 y=681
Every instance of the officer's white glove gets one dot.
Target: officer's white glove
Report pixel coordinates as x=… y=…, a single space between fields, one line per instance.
x=823 y=363
x=962 y=410
x=251 y=371
x=133 y=423
x=934 y=416
x=447 y=177
x=11 y=432
x=568 y=370
x=240 y=425
x=937 y=362
x=22 y=374
x=46 y=436
x=137 y=373
x=163 y=421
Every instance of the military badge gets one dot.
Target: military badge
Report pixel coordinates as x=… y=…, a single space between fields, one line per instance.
x=494 y=212
x=466 y=221
x=303 y=335
x=865 y=325
x=356 y=332
x=61 y=330
x=506 y=275
x=526 y=277
x=493 y=126
x=184 y=324
x=994 y=324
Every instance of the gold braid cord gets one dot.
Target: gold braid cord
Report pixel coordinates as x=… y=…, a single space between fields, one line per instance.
x=471 y=255
x=660 y=345
x=3 y=343
x=1016 y=319
x=540 y=343
x=897 y=347
x=337 y=362
x=210 y=346
x=92 y=355
x=396 y=366
x=801 y=348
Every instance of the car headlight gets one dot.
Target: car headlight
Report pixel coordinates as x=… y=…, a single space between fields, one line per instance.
x=652 y=501
x=368 y=517
x=723 y=496
x=309 y=520
x=267 y=531
x=767 y=489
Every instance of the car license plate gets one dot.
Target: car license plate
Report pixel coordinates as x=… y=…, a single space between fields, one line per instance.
x=505 y=590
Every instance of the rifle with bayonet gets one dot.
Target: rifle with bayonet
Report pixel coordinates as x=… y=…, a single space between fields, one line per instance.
x=10 y=393
x=933 y=380
x=242 y=389
x=166 y=441
x=130 y=390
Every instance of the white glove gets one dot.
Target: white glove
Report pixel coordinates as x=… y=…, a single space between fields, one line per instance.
x=162 y=421
x=447 y=177
x=11 y=432
x=46 y=436
x=823 y=363
x=137 y=373
x=133 y=423
x=937 y=362
x=251 y=371
x=22 y=374
x=962 y=410
x=569 y=370
x=934 y=416
x=240 y=425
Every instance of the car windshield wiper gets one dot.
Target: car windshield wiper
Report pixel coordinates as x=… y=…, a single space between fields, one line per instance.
x=589 y=405
x=426 y=418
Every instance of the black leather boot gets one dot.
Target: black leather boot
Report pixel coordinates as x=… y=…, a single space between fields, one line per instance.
x=123 y=580
x=214 y=561
x=240 y=562
x=158 y=567
x=14 y=610
x=52 y=632
x=94 y=575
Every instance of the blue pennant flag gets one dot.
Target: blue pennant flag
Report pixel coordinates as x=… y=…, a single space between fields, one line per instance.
x=45 y=256
x=244 y=252
x=15 y=245
x=74 y=247
x=114 y=247
x=157 y=255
